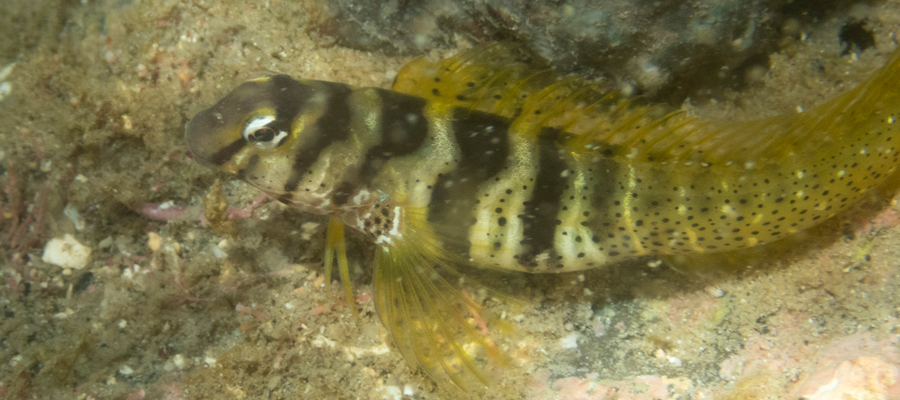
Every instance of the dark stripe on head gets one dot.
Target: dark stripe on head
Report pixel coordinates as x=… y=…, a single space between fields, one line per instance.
x=403 y=130
x=541 y=211
x=222 y=156
x=289 y=97
x=331 y=127
x=483 y=140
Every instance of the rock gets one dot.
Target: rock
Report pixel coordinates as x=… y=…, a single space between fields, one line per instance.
x=667 y=49
x=66 y=252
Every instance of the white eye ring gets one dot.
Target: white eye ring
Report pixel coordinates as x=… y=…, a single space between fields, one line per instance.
x=255 y=124
x=258 y=123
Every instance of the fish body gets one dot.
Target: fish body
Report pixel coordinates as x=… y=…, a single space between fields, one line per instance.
x=481 y=160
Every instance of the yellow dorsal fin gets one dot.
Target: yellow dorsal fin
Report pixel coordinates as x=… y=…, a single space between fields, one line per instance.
x=492 y=78
x=644 y=132
x=497 y=78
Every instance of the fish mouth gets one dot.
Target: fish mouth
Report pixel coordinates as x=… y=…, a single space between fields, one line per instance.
x=208 y=140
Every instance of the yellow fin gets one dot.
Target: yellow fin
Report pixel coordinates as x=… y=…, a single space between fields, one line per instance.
x=435 y=324
x=493 y=78
x=644 y=133
x=334 y=243
x=499 y=78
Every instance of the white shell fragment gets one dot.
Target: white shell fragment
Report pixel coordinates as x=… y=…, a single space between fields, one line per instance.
x=178 y=362
x=4 y=73
x=569 y=342
x=5 y=90
x=72 y=213
x=5 y=87
x=66 y=252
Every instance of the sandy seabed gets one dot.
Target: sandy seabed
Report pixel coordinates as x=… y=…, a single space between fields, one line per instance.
x=91 y=145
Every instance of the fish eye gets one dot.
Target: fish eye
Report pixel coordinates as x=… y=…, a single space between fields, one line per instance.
x=263 y=136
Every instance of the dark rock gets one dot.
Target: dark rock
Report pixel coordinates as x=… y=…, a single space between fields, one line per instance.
x=667 y=49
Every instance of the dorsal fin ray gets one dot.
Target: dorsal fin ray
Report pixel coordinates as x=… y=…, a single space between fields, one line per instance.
x=685 y=139
x=490 y=78
x=497 y=78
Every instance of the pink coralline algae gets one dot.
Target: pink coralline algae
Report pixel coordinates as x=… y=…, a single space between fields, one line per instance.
x=851 y=367
x=590 y=387
x=854 y=367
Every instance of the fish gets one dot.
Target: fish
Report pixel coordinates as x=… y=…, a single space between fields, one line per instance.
x=485 y=160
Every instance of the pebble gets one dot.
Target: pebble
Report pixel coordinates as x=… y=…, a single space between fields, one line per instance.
x=5 y=90
x=5 y=87
x=72 y=213
x=675 y=361
x=569 y=342
x=180 y=362
x=64 y=314
x=6 y=71
x=66 y=252
x=15 y=360
x=153 y=241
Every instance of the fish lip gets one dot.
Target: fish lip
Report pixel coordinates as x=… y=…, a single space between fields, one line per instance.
x=196 y=154
x=201 y=133
x=191 y=149
x=206 y=162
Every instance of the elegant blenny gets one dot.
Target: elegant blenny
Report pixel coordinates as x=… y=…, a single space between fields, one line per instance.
x=482 y=160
